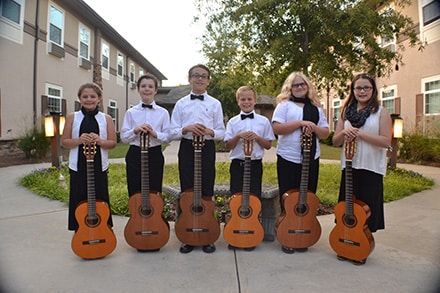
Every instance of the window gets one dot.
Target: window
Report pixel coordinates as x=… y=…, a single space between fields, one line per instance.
x=56 y=25
x=84 y=42
x=105 y=56
x=120 y=65
x=141 y=72
x=388 y=95
x=336 y=109
x=54 y=94
x=430 y=11
x=388 y=42
x=11 y=19
x=132 y=75
x=112 y=110
x=431 y=92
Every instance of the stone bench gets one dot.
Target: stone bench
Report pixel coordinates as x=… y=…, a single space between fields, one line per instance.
x=269 y=202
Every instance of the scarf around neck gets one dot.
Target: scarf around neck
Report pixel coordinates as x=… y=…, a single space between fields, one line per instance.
x=310 y=113
x=357 y=119
x=89 y=124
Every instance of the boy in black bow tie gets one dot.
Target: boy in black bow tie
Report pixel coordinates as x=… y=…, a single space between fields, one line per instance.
x=253 y=127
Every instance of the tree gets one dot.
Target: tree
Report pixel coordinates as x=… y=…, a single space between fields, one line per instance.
x=260 y=42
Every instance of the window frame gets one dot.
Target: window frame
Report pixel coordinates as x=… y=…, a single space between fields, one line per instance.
x=424 y=82
x=105 y=53
x=10 y=29
x=383 y=91
x=120 y=65
x=49 y=22
x=80 y=41
x=113 y=105
x=58 y=107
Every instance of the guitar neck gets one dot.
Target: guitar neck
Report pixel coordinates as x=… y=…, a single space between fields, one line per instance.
x=348 y=188
x=246 y=182
x=145 y=178
x=91 y=197
x=304 y=185
x=197 y=177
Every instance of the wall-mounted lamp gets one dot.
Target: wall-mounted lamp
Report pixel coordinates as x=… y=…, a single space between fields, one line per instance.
x=397 y=128
x=53 y=128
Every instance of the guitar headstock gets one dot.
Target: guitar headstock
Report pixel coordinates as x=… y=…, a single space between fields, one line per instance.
x=248 y=147
x=349 y=148
x=144 y=141
x=89 y=150
x=306 y=140
x=198 y=142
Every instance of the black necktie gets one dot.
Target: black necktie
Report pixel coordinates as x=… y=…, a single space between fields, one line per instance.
x=244 y=116
x=200 y=97
x=147 y=106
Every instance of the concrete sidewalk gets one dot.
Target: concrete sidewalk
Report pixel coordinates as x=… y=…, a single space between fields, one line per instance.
x=35 y=253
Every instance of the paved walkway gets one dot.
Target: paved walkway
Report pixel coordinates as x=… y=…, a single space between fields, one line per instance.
x=35 y=253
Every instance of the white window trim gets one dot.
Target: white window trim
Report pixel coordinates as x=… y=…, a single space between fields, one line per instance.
x=423 y=82
x=388 y=88
x=105 y=71
x=63 y=25
x=57 y=87
x=431 y=32
x=82 y=26
x=113 y=104
x=10 y=29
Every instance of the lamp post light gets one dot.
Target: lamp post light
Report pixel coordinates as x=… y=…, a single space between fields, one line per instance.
x=397 y=133
x=53 y=126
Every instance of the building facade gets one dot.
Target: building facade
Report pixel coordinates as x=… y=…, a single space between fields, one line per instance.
x=48 y=49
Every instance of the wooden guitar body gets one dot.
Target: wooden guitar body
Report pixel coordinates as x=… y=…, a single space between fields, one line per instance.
x=197 y=224
x=94 y=238
x=351 y=238
x=297 y=226
x=244 y=229
x=146 y=229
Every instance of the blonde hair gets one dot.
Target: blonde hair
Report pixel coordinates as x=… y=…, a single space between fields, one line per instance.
x=245 y=88
x=286 y=89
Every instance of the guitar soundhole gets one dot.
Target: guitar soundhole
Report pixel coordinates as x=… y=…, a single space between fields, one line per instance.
x=301 y=209
x=197 y=210
x=93 y=221
x=146 y=211
x=350 y=220
x=245 y=213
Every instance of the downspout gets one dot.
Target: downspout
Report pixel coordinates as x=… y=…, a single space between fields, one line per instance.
x=34 y=78
x=127 y=83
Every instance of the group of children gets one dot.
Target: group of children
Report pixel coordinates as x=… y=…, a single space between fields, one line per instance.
x=199 y=114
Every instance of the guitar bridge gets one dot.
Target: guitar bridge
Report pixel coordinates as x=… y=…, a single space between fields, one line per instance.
x=146 y=233
x=349 y=242
x=298 y=231
x=93 y=241
x=243 y=232
x=197 y=230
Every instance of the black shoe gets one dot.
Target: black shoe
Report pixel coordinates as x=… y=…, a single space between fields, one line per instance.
x=209 y=248
x=288 y=250
x=185 y=248
x=249 y=248
x=301 y=249
x=231 y=247
x=145 y=250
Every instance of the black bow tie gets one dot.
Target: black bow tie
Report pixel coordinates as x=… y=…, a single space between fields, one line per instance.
x=244 y=116
x=147 y=106
x=200 y=97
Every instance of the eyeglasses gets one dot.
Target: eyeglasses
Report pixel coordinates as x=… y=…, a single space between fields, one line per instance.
x=298 y=85
x=365 y=88
x=197 y=76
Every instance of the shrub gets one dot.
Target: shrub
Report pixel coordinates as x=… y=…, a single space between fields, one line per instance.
x=419 y=148
x=34 y=144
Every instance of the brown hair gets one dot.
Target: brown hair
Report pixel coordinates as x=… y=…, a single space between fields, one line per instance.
x=90 y=85
x=148 y=76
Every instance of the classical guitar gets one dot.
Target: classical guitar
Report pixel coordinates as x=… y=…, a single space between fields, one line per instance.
x=146 y=228
x=351 y=238
x=297 y=226
x=94 y=237
x=197 y=225
x=244 y=229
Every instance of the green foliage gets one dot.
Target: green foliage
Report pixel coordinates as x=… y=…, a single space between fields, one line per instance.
x=259 y=43
x=34 y=144
x=328 y=140
x=419 y=148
